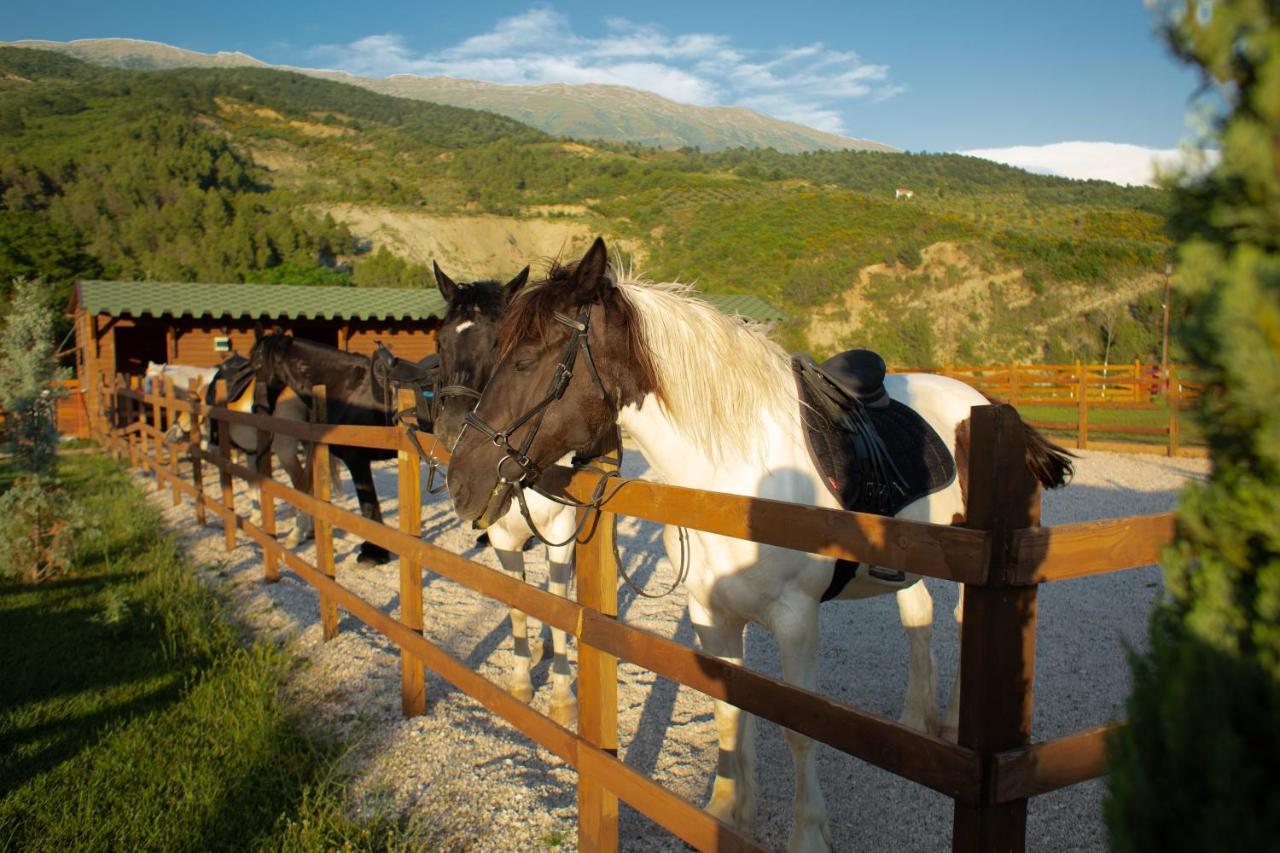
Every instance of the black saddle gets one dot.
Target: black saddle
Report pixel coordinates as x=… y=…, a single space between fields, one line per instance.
x=423 y=377
x=875 y=454
x=235 y=370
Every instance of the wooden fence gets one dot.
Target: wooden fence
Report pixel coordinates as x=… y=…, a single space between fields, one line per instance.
x=71 y=410
x=1001 y=555
x=1134 y=387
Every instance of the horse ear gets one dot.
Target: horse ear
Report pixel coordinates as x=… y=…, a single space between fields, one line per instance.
x=447 y=288
x=512 y=287
x=589 y=277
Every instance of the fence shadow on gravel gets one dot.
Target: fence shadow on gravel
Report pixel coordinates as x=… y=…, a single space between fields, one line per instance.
x=1001 y=556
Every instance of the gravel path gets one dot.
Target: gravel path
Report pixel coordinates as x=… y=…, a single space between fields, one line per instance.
x=474 y=783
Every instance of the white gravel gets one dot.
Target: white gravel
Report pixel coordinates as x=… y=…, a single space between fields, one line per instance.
x=475 y=783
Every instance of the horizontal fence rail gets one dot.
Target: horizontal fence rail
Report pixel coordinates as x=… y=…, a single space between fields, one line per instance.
x=990 y=774
x=1125 y=387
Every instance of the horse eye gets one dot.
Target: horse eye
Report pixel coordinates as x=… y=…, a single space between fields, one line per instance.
x=524 y=364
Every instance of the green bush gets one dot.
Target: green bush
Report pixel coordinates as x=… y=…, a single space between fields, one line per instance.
x=1198 y=768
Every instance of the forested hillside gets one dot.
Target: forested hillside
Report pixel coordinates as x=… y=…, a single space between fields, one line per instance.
x=263 y=175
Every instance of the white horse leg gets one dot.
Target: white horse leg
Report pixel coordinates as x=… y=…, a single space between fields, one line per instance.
x=733 y=793
x=951 y=722
x=564 y=705
x=798 y=649
x=520 y=685
x=286 y=450
x=915 y=609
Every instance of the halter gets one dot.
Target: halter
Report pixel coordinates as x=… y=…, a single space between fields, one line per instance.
x=528 y=470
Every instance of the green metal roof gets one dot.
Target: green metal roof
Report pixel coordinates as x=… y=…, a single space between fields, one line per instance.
x=294 y=302
x=173 y=299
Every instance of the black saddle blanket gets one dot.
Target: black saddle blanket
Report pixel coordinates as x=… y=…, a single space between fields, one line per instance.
x=875 y=454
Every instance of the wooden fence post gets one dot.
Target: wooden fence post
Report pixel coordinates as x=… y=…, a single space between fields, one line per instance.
x=1137 y=380
x=171 y=392
x=157 y=421
x=194 y=438
x=1082 y=407
x=413 y=685
x=1013 y=384
x=597 y=682
x=1174 y=402
x=224 y=474
x=998 y=634
x=322 y=489
x=133 y=416
x=267 y=505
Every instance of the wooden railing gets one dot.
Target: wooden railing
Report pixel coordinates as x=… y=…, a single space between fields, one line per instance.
x=70 y=411
x=1001 y=555
x=1092 y=387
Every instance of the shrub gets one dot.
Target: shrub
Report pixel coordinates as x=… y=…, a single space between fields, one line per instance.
x=1197 y=768
x=41 y=529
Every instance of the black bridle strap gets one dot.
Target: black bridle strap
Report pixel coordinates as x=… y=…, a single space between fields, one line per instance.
x=578 y=340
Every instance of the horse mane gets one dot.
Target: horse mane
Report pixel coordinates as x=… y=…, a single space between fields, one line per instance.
x=714 y=375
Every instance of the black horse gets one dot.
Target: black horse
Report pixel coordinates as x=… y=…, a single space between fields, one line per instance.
x=360 y=391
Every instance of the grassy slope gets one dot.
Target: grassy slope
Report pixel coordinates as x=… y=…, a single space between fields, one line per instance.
x=134 y=717
x=793 y=228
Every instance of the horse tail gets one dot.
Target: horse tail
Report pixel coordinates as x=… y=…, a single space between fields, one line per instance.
x=1049 y=463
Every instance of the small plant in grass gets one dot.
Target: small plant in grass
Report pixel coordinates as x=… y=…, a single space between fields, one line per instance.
x=39 y=523
x=41 y=528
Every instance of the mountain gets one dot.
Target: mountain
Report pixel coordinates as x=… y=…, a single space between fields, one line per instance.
x=263 y=175
x=141 y=55
x=586 y=112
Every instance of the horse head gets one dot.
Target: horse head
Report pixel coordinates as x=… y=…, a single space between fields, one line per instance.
x=467 y=345
x=569 y=357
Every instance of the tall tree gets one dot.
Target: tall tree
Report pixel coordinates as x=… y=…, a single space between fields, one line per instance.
x=1199 y=766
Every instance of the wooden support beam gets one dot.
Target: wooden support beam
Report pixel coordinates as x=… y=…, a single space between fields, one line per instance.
x=413 y=685
x=193 y=447
x=323 y=491
x=224 y=474
x=998 y=635
x=598 y=680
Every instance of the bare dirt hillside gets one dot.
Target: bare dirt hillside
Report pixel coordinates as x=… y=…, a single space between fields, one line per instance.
x=481 y=246
x=974 y=310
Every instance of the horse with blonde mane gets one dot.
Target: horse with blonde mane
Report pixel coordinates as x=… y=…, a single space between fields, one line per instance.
x=713 y=404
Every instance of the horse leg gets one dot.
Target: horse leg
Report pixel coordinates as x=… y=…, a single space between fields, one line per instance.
x=797 y=636
x=951 y=721
x=362 y=478
x=512 y=560
x=564 y=705
x=915 y=609
x=733 y=793
x=286 y=450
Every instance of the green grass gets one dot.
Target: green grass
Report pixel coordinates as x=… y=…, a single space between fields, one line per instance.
x=1189 y=432
x=134 y=716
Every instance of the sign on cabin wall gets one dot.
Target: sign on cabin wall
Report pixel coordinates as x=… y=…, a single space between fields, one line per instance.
x=222 y=344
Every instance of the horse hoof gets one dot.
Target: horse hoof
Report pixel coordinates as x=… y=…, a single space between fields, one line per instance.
x=374 y=556
x=523 y=692
x=566 y=712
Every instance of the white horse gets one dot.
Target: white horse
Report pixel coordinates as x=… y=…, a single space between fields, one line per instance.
x=466 y=343
x=713 y=404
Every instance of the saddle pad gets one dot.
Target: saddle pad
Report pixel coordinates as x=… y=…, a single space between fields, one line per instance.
x=876 y=458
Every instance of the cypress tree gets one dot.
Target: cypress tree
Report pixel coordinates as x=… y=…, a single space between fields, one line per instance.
x=1198 y=768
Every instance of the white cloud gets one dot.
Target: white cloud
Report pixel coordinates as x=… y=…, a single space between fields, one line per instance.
x=810 y=84
x=1105 y=161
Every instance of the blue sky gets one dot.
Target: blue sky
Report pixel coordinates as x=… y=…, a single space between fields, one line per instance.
x=936 y=76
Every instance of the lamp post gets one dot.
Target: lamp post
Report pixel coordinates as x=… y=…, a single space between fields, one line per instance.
x=1164 y=346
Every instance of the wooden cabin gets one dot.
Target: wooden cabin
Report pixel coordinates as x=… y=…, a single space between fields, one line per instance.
x=122 y=325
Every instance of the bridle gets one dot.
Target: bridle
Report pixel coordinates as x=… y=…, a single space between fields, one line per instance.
x=527 y=471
